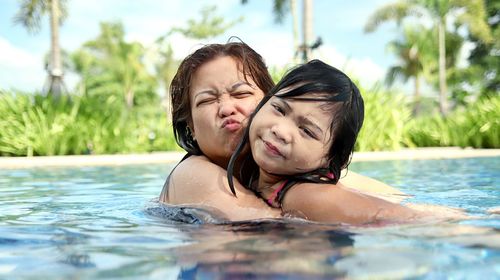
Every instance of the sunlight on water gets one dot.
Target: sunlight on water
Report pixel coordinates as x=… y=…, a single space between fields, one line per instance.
x=100 y=222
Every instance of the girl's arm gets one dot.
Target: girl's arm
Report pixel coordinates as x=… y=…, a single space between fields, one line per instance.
x=371 y=186
x=338 y=204
x=199 y=182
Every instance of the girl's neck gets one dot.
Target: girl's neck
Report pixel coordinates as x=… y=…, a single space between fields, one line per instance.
x=267 y=180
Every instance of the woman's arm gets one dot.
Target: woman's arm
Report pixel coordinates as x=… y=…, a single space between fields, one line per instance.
x=337 y=204
x=197 y=181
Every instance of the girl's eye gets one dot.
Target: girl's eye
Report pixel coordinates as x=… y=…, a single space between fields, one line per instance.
x=278 y=109
x=308 y=132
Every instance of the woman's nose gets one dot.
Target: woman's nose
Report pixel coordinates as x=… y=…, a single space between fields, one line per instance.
x=226 y=107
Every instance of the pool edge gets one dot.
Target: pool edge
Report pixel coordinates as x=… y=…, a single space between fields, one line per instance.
x=170 y=157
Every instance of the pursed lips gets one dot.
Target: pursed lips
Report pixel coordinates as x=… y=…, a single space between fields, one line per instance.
x=231 y=125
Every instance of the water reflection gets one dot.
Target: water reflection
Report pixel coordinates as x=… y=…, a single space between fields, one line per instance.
x=99 y=222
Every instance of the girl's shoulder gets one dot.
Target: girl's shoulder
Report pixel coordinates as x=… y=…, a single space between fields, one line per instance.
x=307 y=195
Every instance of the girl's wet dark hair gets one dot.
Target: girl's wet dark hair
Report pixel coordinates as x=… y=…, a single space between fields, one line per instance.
x=341 y=97
x=251 y=64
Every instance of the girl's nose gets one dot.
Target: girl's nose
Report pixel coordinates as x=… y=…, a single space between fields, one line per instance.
x=281 y=132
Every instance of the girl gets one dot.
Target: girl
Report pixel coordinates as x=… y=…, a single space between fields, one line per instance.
x=302 y=135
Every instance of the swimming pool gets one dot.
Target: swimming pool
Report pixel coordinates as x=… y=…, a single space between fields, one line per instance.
x=92 y=223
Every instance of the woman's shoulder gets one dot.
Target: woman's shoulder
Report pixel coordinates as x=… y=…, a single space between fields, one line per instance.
x=198 y=165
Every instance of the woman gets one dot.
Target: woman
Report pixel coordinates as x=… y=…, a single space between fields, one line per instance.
x=213 y=93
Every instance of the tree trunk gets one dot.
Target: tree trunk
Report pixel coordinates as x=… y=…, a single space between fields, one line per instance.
x=295 y=21
x=129 y=98
x=307 y=26
x=416 y=97
x=443 y=98
x=55 y=69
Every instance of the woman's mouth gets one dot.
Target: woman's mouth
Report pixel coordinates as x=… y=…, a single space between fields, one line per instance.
x=231 y=125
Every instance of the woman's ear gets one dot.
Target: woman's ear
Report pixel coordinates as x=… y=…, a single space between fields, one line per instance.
x=191 y=132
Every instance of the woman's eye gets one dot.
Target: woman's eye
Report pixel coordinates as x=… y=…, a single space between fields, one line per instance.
x=242 y=94
x=278 y=109
x=205 y=101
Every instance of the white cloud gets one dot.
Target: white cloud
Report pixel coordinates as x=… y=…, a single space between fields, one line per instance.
x=364 y=69
x=276 y=48
x=19 y=69
x=10 y=56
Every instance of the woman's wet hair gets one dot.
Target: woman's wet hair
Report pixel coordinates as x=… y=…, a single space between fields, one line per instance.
x=340 y=96
x=249 y=62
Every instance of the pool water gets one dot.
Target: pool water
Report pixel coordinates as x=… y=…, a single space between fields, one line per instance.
x=96 y=223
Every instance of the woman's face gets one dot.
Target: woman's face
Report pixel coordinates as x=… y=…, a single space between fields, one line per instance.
x=290 y=136
x=221 y=102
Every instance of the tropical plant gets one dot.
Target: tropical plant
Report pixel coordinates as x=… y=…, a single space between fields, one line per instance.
x=476 y=126
x=385 y=117
x=210 y=25
x=29 y=15
x=33 y=125
x=484 y=57
x=109 y=65
x=410 y=51
x=468 y=13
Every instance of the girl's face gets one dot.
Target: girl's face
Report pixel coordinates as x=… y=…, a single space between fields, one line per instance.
x=289 y=136
x=221 y=102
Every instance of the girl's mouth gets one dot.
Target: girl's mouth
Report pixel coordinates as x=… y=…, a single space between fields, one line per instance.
x=271 y=149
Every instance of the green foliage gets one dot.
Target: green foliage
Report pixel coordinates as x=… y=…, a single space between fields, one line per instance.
x=210 y=25
x=384 y=125
x=477 y=125
x=110 y=66
x=36 y=125
x=484 y=71
x=278 y=72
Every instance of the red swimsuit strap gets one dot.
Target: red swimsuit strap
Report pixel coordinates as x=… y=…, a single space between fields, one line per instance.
x=273 y=196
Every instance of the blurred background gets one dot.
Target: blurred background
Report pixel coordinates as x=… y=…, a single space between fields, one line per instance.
x=92 y=77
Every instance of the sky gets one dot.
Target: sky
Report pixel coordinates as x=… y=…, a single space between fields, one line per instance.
x=338 y=22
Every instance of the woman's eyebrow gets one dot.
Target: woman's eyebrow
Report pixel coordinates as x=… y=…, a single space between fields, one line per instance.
x=237 y=85
x=206 y=91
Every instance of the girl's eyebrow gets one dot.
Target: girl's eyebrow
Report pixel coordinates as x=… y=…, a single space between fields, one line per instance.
x=285 y=104
x=309 y=122
x=302 y=119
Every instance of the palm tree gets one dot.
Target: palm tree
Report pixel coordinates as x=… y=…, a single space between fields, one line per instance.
x=117 y=63
x=469 y=13
x=208 y=26
x=281 y=8
x=29 y=15
x=410 y=51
